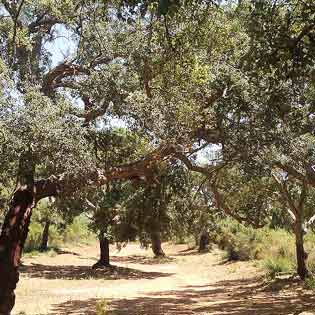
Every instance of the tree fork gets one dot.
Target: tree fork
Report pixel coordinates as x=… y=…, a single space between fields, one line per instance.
x=12 y=239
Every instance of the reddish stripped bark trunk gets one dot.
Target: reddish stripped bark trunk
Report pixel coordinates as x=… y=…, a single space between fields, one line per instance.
x=12 y=239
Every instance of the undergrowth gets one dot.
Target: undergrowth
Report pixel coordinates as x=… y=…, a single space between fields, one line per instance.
x=273 y=248
x=75 y=233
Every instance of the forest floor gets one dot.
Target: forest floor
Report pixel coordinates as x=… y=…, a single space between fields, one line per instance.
x=185 y=283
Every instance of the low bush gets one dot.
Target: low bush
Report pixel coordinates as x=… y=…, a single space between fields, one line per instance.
x=102 y=307
x=275 y=248
x=76 y=233
x=309 y=283
x=34 y=237
x=278 y=265
x=239 y=242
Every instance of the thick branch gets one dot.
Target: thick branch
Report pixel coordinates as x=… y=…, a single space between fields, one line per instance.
x=220 y=204
x=17 y=24
x=303 y=196
x=64 y=70
x=290 y=170
x=47 y=23
x=207 y=171
x=142 y=168
x=286 y=195
x=310 y=221
x=306 y=30
x=208 y=135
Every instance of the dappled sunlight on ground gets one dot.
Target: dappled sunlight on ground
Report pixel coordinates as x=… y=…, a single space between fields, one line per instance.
x=183 y=284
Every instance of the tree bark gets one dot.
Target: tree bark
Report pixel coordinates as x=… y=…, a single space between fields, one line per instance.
x=104 y=253
x=301 y=255
x=45 y=237
x=12 y=239
x=203 y=242
x=156 y=244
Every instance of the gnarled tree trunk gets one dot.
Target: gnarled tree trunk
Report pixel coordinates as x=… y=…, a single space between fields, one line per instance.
x=203 y=241
x=104 y=253
x=301 y=255
x=12 y=239
x=156 y=244
x=45 y=237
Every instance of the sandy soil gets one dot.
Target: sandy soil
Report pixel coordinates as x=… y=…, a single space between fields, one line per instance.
x=186 y=283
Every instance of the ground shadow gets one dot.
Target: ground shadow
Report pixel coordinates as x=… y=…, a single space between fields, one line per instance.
x=237 y=297
x=60 y=251
x=192 y=252
x=86 y=272
x=143 y=260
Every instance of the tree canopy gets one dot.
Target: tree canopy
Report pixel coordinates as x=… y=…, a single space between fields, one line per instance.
x=139 y=83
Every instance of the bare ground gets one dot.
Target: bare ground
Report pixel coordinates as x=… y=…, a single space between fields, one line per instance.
x=186 y=283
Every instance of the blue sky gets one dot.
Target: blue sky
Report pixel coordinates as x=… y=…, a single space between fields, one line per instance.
x=63 y=46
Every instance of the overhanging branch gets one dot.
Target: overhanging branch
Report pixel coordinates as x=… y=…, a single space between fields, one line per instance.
x=143 y=168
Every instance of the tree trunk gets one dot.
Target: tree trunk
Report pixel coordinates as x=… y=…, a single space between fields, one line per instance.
x=157 y=244
x=104 y=253
x=203 y=242
x=301 y=255
x=45 y=236
x=12 y=239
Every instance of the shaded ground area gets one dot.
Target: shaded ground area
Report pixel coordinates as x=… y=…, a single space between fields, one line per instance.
x=70 y=272
x=144 y=260
x=187 y=283
x=228 y=297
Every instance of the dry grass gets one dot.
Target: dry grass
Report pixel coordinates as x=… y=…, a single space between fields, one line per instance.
x=187 y=283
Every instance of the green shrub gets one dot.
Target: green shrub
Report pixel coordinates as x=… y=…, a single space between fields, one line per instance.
x=311 y=262
x=78 y=231
x=276 y=248
x=277 y=265
x=34 y=237
x=239 y=242
x=102 y=307
x=309 y=283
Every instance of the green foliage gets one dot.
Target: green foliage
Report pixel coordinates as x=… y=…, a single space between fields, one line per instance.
x=75 y=233
x=309 y=283
x=78 y=232
x=278 y=265
x=102 y=307
x=149 y=208
x=240 y=242
x=274 y=248
x=189 y=73
x=34 y=237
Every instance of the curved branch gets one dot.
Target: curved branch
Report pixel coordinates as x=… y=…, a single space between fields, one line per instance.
x=220 y=204
x=290 y=170
x=143 y=168
x=53 y=77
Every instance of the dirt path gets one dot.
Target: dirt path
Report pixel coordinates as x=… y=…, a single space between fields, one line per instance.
x=187 y=283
